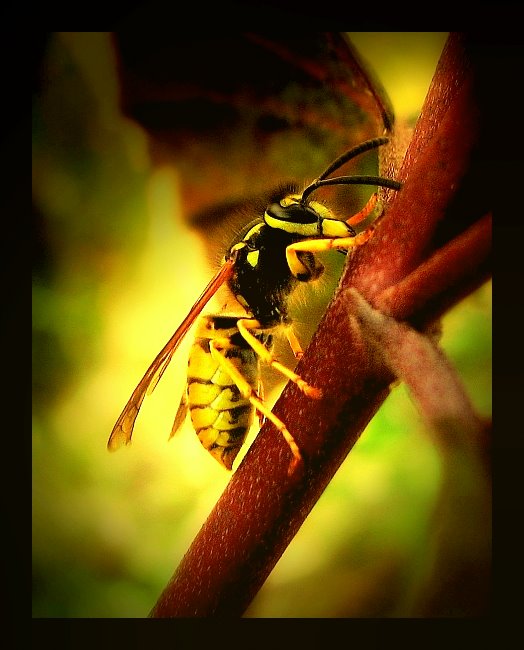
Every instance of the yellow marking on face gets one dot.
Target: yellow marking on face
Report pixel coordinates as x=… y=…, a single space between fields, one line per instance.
x=335 y=228
x=321 y=209
x=331 y=227
x=304 y=229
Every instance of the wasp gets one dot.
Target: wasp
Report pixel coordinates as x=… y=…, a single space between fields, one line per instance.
x=266 y=262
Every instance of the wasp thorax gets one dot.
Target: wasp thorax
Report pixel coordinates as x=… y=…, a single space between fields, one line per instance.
x=266 y=261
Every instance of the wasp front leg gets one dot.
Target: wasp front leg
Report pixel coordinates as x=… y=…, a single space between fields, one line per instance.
x=300 y=270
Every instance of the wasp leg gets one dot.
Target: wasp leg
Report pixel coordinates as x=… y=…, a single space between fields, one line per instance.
x=260 y=393
x=365 y=212
x=320 y=245
x=294 y=343
x=248 y=393
x=244 y=325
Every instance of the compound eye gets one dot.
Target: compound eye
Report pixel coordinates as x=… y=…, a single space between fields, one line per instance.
x=293 y=213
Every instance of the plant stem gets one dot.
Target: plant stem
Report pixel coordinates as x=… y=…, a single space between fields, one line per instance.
x=402 y=271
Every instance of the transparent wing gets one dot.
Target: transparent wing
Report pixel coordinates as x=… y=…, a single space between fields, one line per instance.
x=123 y=429
x=180 y=415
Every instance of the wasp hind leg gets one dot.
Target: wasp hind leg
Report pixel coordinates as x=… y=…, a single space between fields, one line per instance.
x=260 y=393
x=248 y=393
x=246 y=324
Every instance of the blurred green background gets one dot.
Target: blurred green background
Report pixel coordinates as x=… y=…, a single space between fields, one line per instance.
x=114 y=273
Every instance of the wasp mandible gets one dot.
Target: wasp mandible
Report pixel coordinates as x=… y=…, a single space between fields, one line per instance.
x=270 y=257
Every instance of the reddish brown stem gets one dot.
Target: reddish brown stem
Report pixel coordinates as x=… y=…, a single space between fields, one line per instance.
x=435 y=285
x=262 y=507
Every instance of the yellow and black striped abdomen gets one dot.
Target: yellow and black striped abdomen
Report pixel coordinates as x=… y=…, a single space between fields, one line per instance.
x=221 y=416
